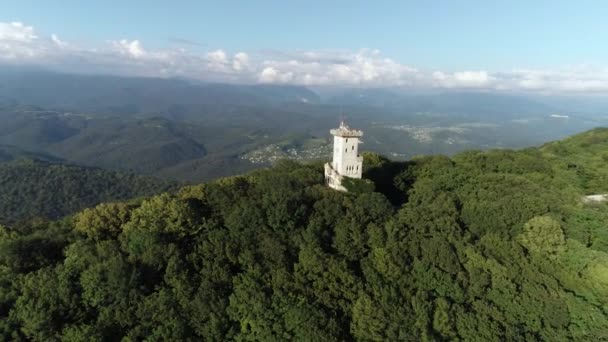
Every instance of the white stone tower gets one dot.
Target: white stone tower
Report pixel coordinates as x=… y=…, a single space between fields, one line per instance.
x=346 y=161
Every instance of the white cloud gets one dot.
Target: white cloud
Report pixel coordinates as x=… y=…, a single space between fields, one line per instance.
x=218 y=62
x=132 y=48
x=463 y=79
x=240 y=61
x=17 y=32
x=363 y=68
x=21 y=44
x=16 y=41
x=273 y=75
x=580 y=79
x=217 y=57
x=477 y=78
x=58 y=41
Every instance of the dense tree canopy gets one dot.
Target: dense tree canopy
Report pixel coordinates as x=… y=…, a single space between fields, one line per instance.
x=35 y=188
x=485 y=246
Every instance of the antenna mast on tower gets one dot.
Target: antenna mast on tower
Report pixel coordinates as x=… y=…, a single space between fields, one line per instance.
x=342 y=116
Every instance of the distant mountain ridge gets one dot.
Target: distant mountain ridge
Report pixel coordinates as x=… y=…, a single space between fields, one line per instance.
x=477 y=104
x=140 y=95
x=8 y=153
x=136 y=95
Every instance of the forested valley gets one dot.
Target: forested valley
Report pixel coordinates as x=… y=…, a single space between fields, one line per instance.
x=481 y=246
x=35 y=188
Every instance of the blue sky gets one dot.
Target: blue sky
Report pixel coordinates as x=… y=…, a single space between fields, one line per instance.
x=433 y=36
x=440 y=34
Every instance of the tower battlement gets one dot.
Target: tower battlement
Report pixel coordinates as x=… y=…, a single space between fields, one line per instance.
x=345 y=131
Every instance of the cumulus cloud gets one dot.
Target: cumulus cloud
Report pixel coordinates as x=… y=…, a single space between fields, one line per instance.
x=21 y=44
x=273 y=75
x=217 y=57
x=240 y=61
x=463 y=79
x=17 y=32
x=362 y=68
x=218 y=62
x=16 y=40
x=132 y=48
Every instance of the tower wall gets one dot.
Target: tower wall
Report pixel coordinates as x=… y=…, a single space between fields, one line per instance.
x=346 y=161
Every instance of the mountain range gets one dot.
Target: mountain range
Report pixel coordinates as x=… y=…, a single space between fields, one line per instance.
x=191 y=131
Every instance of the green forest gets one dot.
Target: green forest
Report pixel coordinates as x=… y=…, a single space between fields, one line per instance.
x=30 y=187
x=483 y=246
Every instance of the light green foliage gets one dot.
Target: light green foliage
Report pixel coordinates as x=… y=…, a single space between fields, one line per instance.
x=104 y=221
x=193 y=191
x=581 y=159
x=485 y=246
x=441 y=318
x=543 y=235
x=166 y=214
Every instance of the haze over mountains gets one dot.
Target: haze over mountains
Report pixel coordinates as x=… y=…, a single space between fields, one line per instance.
x=188 y=130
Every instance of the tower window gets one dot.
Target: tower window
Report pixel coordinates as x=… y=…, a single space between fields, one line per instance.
x=353 y=147
x=346 y=150
x=346 y=139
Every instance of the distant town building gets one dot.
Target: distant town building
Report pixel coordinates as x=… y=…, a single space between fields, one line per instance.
x=346 y=161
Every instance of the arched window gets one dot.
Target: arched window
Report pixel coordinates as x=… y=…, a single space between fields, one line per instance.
x=353 y=147
x=346 y=150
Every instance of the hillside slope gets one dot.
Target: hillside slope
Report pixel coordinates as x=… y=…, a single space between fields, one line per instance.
x=33 y=188
x=586 y=156
x=486 y=246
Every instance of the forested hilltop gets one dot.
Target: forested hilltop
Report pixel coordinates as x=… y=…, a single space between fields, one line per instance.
x=484 y=246
x=50 y=189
